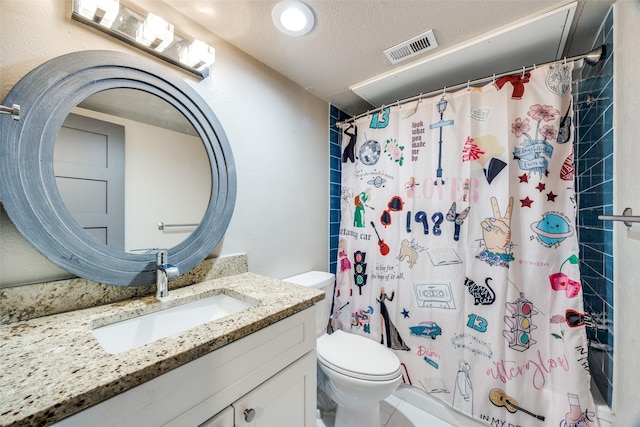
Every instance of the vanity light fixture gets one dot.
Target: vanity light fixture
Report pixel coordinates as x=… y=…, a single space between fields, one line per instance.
x=155 y=32
x=146 y=31
x=293 y=18
x=198 y=54
x=102 y=12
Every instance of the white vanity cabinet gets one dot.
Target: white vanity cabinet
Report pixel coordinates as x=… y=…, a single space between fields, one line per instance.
x=267 y=378
x=280 y=401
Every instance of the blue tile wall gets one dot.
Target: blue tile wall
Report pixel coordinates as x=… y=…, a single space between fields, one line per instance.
x=593 y=155
x=335 y=182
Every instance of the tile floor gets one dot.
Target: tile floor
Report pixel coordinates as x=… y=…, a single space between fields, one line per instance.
x=395 y=412
x=398 y=412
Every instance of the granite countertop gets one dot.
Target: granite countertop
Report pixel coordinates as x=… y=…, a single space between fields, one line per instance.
x=53 y=366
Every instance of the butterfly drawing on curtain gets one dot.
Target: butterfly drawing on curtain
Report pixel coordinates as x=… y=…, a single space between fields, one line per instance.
x=457 y=219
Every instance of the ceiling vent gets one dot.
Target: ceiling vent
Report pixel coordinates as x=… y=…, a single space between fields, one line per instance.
x=411 y=47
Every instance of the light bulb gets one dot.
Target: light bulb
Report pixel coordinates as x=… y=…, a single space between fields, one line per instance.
x=293 y=18
x=155 y=32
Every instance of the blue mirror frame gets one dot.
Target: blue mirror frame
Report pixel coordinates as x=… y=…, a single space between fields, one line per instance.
x=28 y=190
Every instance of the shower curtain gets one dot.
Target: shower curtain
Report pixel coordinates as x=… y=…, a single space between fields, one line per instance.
x=458 y=248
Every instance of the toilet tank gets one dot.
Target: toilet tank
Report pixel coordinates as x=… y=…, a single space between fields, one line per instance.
x=322 y=281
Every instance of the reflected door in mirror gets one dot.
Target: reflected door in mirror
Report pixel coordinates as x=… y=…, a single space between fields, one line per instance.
x=89 y=169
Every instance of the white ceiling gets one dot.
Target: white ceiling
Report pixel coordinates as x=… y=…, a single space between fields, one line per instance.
x=345 y=48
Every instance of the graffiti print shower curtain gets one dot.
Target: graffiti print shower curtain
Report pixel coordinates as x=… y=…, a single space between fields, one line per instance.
x=458 y=248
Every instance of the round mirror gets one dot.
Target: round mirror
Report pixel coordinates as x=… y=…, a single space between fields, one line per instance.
x=30 y=192
x=116 y=145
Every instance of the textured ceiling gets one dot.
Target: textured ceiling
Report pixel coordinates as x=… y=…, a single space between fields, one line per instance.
x=346 y=45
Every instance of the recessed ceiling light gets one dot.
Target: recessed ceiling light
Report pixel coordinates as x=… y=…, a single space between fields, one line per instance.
x=293 y=18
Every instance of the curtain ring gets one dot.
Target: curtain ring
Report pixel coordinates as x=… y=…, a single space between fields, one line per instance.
x=468 y=87
x=494 y=78
x=534 y=67
x=523 y=71
x=398 y=103
x=420 y=98
x=565 y=60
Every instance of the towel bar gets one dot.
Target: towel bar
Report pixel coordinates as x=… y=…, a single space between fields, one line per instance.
x=626 y=217
x=162 y=225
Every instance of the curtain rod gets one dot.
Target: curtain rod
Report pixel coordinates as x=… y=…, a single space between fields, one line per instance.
x=591 y=58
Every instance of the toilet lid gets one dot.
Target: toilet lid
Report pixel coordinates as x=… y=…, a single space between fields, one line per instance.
x=357 y=356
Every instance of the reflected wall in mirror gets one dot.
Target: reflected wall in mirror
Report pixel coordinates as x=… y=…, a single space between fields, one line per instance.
x=30 y=192
x=126 y=161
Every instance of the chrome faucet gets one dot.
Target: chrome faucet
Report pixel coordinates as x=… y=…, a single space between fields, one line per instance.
x=164 y=272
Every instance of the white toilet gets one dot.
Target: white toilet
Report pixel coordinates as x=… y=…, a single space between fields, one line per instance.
x=357 y=372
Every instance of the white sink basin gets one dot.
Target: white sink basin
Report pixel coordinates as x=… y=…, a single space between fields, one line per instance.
x=129 y=334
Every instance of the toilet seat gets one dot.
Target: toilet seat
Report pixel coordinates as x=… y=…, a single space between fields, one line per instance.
x=357 y=357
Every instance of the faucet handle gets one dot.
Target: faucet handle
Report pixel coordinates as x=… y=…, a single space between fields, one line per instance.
x=164 y=273
x=162 y=258
x=172 y=271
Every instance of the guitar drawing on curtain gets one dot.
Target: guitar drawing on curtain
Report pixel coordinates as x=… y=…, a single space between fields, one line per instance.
x=458 y=248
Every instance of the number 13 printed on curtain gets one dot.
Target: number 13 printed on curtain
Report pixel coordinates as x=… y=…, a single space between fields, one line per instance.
x=458 y=248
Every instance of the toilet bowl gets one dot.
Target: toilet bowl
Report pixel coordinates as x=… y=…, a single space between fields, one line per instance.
x=360 y=373
x=356 y=372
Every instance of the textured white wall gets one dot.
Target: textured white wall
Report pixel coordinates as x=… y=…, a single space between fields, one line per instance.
x=626 y=378
x=278 y=133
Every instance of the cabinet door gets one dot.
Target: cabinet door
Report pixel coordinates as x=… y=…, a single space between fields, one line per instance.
x=288 y=399
x=223 y=418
